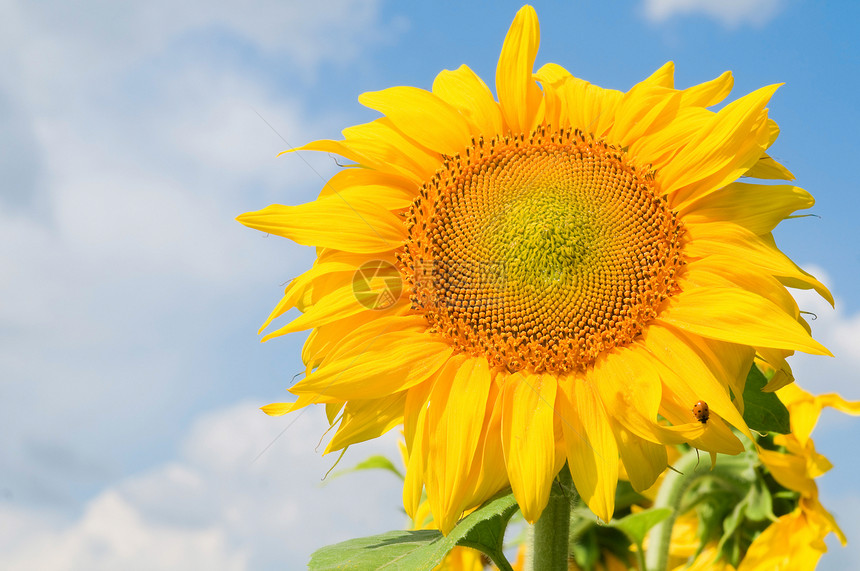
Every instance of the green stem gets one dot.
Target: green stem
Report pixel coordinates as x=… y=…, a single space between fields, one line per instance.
x=640 y=558
x=551 y=533
x=499 y=561
x=671 y=495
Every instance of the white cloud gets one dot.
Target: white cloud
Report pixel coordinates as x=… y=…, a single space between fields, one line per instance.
x=59 y=44
x=839 y=332
x=731 y=13
x=130 y=295
x=214 y=507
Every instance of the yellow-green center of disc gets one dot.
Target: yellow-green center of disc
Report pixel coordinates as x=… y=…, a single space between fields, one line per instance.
x=541 y=252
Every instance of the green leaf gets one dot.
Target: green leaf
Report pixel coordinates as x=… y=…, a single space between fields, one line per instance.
x=377 y=462
x=760 y=503
x=635 y=526
x=763 y=412
x=585 y=549
x=483 y=529
x=626 y=496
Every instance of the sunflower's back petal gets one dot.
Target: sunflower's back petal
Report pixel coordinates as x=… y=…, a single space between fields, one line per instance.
x=659 y=148
x=463 y=89
x=339 y=304
x=347 y=178
x=630 y=389
x=589 y=107
x=519 y=94
x=330 y=338
x=720 y=271
x=528 y=439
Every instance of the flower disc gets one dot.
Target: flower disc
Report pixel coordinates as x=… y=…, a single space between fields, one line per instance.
x=541 y=252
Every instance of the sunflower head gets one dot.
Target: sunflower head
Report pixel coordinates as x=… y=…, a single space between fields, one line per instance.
x=558 y=273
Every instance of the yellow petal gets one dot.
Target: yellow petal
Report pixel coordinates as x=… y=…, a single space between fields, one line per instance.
x=422 y=116
x=366 y=419
x=715 y=436
x=455 y=419
x=663 y=77
x=330 y=337
x=739 y=316
x=356 y=226
x=730 y=144
x=756 y=207
x=297 y=287
x=528 y=439
x=688 y=376
x=519 y=94
x=769 y=169
x=468 y=93
x=389 y=191
x=630 y=389
x=708 y=93
x=387 y=364
x=581 y=105
x=644 y=461
x=281 y=408
x=339 y=304
x=720 y=271
x=643 y=110
x=592 y=453
x=489 y=474
x=414 y=422
x=384 y=141
x=370 y=154
x=733 y=240
x=347 y=178
x=790 y=542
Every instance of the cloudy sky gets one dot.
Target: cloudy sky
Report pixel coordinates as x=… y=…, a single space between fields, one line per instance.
x=132 y=135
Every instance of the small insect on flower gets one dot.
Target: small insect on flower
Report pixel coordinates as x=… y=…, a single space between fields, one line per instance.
x=702 y=412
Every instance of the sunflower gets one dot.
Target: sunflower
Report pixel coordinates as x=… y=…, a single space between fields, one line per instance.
x=557 y=276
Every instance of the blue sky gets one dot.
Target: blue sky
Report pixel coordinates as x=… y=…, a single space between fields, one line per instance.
x=133 y=134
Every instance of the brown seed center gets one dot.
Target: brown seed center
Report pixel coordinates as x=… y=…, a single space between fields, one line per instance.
x=541 y=252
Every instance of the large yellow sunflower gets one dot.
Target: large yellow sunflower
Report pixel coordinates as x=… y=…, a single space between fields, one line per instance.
x=559 y=275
